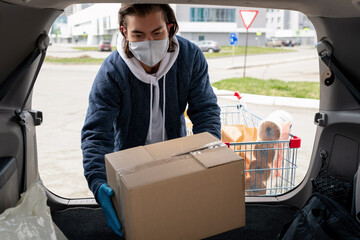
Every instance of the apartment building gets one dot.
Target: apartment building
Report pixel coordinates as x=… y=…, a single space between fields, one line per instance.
x=285 y=24
x=91 y=23
x=216 y=23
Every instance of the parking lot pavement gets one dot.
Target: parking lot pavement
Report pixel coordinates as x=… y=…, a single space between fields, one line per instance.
x=300 y=65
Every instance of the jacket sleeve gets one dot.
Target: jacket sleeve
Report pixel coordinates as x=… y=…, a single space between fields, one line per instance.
x=97 y=135
x=203 y=109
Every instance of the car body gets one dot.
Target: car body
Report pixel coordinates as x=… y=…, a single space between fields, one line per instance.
x=288 y=43
x=208 y=46
x=104 y=46
x=335 y=148
x=273 y=43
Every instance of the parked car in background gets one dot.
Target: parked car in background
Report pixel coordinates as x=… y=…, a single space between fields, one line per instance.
x=104 y=46
x=273 y=43
x=288 y=43
x=208 y=46
x=297 y=42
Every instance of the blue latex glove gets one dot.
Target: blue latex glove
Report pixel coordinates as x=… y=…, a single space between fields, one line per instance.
x=103 y=195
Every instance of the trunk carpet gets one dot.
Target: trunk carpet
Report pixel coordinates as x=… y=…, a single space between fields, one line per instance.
x=262 y=222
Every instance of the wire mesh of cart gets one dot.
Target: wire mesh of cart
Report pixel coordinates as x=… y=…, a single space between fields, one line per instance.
x=270 y=166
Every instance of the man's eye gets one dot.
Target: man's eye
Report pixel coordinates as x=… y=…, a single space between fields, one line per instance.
x=137 y=35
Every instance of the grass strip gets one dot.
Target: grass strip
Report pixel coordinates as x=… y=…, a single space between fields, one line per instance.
x=75 y=60
x=240 y=50
x=113 y=48
x=270 y=87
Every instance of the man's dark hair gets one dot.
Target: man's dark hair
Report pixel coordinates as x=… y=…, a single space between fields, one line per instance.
x=143 y=10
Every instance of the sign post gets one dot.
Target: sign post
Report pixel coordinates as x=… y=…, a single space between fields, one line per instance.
x=233 y=41
x=247 y=17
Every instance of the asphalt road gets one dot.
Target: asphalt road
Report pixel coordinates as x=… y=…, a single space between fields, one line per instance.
x=299 y=65
x=61 y=93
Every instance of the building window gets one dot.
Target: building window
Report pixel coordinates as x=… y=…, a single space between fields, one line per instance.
x=201 y=38
x=97 y=26
x=212 y=15
x=104 y=23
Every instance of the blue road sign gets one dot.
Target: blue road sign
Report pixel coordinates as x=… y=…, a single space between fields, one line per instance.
x=233 y=39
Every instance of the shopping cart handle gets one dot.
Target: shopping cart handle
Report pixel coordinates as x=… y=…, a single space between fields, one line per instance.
x=295 y=142
x=227 y=144
x=237 y=94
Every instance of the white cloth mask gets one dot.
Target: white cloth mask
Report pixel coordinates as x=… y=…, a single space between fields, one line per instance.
x=150 y=52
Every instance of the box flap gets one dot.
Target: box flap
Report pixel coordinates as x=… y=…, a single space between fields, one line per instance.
x=164 y=169
x=132 y=157
x=216 y=156
x=145 y=175
x=128 y=158
x=182 y=145
x=160 y=161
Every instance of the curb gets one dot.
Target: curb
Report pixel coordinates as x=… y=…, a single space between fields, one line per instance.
x=264 y=64
x=270 y=100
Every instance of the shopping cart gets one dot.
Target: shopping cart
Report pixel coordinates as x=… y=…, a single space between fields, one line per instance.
x=270 y=166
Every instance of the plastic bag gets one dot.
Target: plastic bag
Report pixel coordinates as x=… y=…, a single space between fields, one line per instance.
x=30 y=218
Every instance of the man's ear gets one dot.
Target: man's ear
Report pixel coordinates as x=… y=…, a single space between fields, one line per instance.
x=169 y=26
x=123 y=30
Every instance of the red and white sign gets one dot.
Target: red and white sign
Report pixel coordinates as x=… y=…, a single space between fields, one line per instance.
x=248 y=17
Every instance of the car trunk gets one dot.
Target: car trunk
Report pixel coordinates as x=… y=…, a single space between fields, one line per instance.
x=262 y=222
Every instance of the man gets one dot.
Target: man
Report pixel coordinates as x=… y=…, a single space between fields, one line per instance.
x=141 y=92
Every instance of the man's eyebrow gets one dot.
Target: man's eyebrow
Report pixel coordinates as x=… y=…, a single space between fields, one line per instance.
x=136 y=31
x=156 y=29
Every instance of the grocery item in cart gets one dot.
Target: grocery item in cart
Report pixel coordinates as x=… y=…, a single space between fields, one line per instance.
x=257 y=176
x=258 y=158
x=239 y=133
x=276 y=126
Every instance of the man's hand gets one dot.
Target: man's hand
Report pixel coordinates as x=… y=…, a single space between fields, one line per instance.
x=103 y=196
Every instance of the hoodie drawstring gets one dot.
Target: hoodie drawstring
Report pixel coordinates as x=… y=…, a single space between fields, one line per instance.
x=151 y=105
x=163 y=113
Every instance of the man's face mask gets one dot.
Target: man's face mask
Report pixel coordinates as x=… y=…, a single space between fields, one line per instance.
x=150 y=52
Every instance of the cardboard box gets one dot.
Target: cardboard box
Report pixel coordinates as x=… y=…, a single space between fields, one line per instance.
x=186 y=188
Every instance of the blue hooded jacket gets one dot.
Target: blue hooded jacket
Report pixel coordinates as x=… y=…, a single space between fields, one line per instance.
x=118 y=114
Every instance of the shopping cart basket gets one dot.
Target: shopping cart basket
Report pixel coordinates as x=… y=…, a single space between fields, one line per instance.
x=270 y=166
